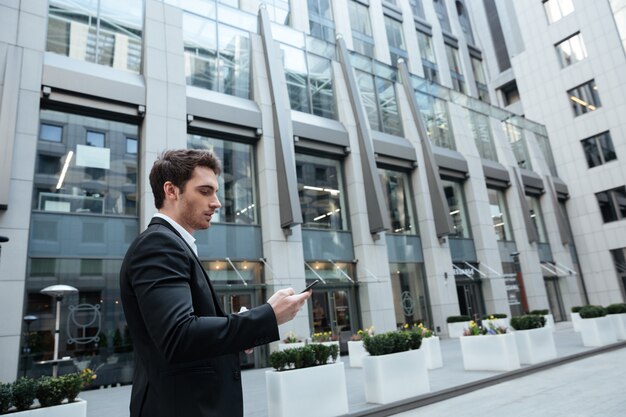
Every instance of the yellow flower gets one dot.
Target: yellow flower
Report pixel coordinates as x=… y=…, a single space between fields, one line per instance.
x=406 y=325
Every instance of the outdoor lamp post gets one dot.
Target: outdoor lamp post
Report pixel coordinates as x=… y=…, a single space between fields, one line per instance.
x=26 y=350
x=58 y=292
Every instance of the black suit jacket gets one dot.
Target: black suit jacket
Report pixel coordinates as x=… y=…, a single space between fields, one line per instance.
x=186 y=348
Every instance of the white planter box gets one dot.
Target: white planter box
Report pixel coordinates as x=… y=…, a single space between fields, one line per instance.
x=490 y=352
x=619 y=325
x=432 y=352
x=456 y=329
x=77 y=408
x=317 y=391
x=576 y=321
x=283 y=346
x=330 y=344
x=535 y=345
x=394 y=377
x=356 y=353
x=597 y=331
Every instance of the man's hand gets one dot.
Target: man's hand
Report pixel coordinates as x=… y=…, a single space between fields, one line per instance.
x=286 y=304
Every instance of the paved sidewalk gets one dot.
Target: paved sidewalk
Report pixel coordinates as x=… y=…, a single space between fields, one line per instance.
x=559 y=388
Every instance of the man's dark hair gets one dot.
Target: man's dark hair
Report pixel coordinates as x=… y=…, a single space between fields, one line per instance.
x=177 y=167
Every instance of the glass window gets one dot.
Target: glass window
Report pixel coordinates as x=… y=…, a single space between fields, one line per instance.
x=90 y=179
x=571 y=50
x=105 y=32
x=435 y=114
x=584 y=98
x=50 y=132
x=481 y=81
x=408 y=284
x=131 y=146
x=510 y=94
x=237 y=182
x=546 y=150
x=481 y=128
x=395 y=38
x=94 y=139
x=537 y=216
x=278 y=11
x=518 y=145
x=619 y=15
x=557 y=9
x=399 y=201
x=458 y=212
x=428 y=57
x=499 y=214
x=362 y=40
x=309 y=82
x=418 y=8
x=321 y=22
x=442 y=15
x=454 y=63
x=320 y=187
x=466 y=26
x=612 y=204
x=217 y=56
x=599 y=149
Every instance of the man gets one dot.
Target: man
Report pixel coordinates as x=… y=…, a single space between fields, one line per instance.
x=186 y=348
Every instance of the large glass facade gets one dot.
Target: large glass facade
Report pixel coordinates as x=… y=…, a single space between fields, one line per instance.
x=237 y=182
x=397 y=186
x=84 y=217
x=458 y=211
x=410 y=298
x=481 y=128
x=499 y=214
x=309 y=75
x=435 y=115
x=518 y=144
x=320 y=187
x=106 y=32
x=376 y=83
x=217 y=56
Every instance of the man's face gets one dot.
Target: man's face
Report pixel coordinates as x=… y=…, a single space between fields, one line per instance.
x=198 y=201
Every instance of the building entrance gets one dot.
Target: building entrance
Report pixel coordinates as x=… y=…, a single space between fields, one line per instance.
x=333 y=311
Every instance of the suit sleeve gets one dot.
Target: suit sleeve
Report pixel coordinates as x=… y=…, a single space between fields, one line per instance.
x=160 y=272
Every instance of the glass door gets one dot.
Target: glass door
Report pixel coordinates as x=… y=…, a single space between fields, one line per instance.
x=333 y=311
x=470 y=299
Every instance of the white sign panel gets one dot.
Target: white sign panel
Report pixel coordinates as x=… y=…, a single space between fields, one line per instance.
x=93 y=157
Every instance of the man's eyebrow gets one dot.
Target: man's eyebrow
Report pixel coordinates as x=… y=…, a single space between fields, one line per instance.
x=210 y=187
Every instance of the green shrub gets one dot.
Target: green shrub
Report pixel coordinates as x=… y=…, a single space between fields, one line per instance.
x=528 y=321
x=392 y=342
x=539 y=312
x=72 y=384
x=303 y=357
x=457 y=319
x=5 y=397
x=589 y=312
x=576 y=309
x=618 y=308
x=50 y=391
x=24 y=393
x=494 y=316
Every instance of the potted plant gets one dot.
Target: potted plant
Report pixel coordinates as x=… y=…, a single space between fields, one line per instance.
x=56 y=396
x=326 y=338
x=489 y=349
x=546 y=313
x=430 y=345
x=595 y=328
x=291 y=341
x=498 y=320
x=356 y=350
x=304 y=383
x=617 y=314
x=575 y=315
x=395 y=368
x=457 y=325
x=535 y=342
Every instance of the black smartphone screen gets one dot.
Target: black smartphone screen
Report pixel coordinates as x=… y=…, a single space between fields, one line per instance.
x=311 y=285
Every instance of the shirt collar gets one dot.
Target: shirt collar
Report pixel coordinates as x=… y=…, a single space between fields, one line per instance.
x=191 y=241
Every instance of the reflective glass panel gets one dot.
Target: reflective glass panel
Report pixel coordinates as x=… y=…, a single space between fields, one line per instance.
x=499 y=216
x=399 y=202
x=458 y=212
x=410 y=301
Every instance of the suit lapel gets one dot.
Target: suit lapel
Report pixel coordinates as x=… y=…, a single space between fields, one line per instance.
x=158 y=220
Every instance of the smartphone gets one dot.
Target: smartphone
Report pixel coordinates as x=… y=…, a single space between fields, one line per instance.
x=311 y=285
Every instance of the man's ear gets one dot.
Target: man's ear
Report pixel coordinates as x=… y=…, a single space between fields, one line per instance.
x=170 y=190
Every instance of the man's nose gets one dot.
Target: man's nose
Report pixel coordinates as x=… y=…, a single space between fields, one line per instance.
x=216 y=203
